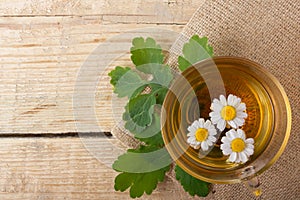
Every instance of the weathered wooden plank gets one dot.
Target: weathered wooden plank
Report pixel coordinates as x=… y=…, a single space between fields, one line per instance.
x=36 y=168
x=61 y=168
x=121 y=11
x=40 y=58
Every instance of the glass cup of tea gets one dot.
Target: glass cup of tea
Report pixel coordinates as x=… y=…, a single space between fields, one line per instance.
x=268 y=122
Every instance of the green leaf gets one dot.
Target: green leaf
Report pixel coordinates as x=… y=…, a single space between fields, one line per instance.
x=151 y=135
x=191 y=184
x=123 y=181
x=195 y=50
x=139 y=183
x=125 y=81
x=128 y=84
x=143 y=160
x=117 y=73
x=155 y=140
x=137 y=159
x=162 y=75
x=141 y=109
x=148 y=58
x=138 y=91
x=138 y=111
x=145 y=52
x=130 y=125
x=183 y=64
x=159 y=92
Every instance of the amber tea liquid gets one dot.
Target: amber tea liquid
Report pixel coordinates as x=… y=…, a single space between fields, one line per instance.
x=189 y=98
x=196 y=102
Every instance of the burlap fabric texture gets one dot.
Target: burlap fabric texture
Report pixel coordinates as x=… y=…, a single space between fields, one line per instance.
x=267 y=32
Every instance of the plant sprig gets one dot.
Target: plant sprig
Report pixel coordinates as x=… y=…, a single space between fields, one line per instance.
x=143 y=122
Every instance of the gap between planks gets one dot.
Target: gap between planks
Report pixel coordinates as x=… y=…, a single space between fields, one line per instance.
x=55 y=135
x=107 y=22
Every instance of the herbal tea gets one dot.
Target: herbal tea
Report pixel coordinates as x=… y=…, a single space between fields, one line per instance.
x=258 y=124
x=190 y=98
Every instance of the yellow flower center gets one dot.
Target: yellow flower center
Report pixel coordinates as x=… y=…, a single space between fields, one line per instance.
x=228 y=113
x=238 y=145
x=201 y=134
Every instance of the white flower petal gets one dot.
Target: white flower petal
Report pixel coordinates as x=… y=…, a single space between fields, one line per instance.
x=208 y=142
x=217 y=106
x=240 y=114
x=201 y=122
x=223 y=100
x=198 y=124
x=230 y=99
x=226 y=146
x=191 y=129
x=241 y=134
x=212 y=138
x=204 y=146
x=248 y=151
x=214 y=113
x=221 y=124
x=195 y=125
x=239 y=157
x=243 y=157
x=236 y=157
x=250 y=146
x=231 y=134
x=239 y=121
x=212 y=131
x=216 y=101
x=241 y=107
x=225 y=140
x=226 y=151
x=250 y=141
x=222 y=146
x=212 y=126
x=232 y=157
x=207 y=124
x=215 y=119
x=236 y=102
x=192 y=140
x=232 y=124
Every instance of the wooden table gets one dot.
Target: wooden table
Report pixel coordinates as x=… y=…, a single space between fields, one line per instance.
x=43 y=46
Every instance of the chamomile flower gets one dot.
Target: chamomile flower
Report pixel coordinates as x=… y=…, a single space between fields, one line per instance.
x=237 y=146
x=201 y=134
x=230 y=111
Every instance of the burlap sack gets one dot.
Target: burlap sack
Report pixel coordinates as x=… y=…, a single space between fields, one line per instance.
x=267 y=32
